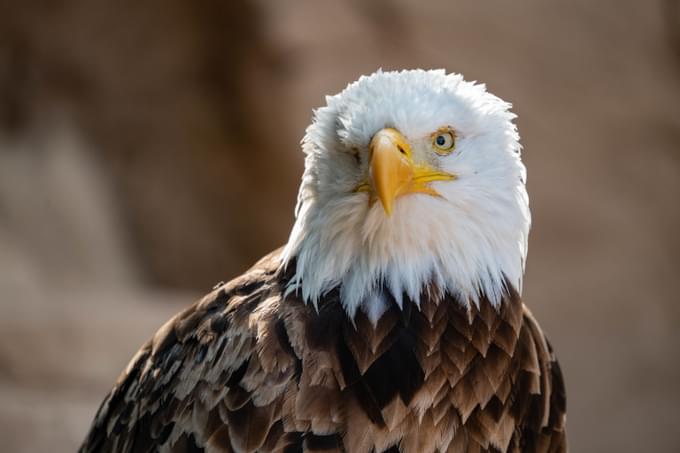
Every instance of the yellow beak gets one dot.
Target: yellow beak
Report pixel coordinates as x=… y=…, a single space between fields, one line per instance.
x=393 y=173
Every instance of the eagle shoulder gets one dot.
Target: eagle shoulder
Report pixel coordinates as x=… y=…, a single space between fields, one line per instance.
x=211 y=375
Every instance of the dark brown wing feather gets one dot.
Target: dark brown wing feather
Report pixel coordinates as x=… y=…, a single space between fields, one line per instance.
x=247 y=369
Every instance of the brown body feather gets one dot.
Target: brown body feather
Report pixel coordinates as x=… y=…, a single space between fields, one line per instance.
x=247 y=369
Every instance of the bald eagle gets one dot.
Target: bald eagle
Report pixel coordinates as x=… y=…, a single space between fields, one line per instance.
x=392 y=319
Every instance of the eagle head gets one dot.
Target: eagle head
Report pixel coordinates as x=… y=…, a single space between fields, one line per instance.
x=413 y=182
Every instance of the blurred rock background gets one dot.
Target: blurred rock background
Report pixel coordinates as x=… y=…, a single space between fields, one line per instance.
x=150 y=149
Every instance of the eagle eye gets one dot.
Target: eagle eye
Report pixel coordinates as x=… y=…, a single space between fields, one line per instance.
x=444 y=141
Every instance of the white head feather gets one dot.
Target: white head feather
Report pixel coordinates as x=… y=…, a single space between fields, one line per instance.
x=466 y=242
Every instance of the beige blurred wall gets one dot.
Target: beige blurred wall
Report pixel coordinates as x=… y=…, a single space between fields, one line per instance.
x=149 y=150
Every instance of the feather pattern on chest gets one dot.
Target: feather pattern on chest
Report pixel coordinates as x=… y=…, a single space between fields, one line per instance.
x=249 y=369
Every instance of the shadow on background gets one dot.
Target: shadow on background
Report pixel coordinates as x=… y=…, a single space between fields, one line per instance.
x=150 y=149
